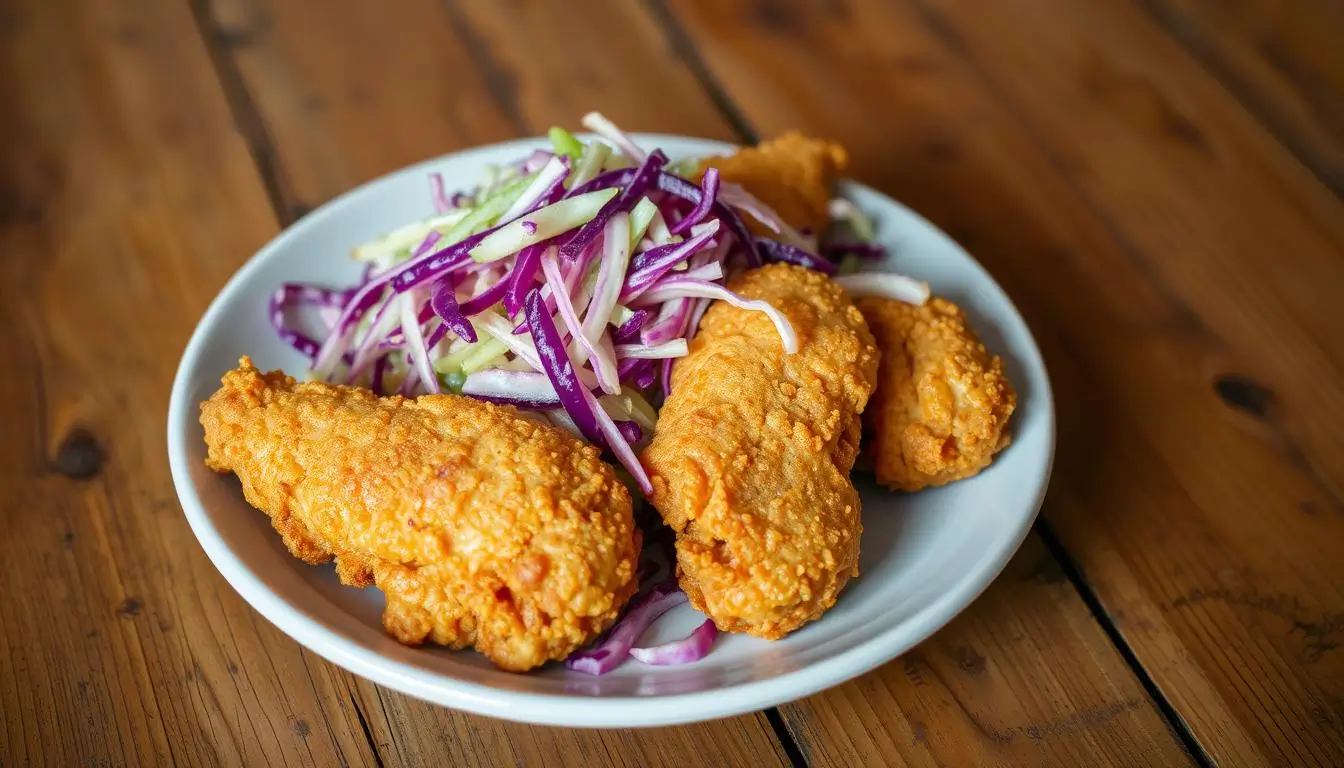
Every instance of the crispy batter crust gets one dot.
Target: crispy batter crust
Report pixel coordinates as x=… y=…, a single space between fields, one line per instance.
x=942 y=402
x=791 y=173
x=483 y=528
x=751 y=457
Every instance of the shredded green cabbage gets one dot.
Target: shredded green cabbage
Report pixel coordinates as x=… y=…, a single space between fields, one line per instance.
x=640 y=217
x=482 y=354
x=595 y=153
x=564 y=142
x=397 y=245
x=849 y=264
x=484 y=215
x=453 y=381
x=542 y=224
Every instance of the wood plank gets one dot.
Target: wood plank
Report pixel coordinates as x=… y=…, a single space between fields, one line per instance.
x=411 y=733
x=116 y=123
x=1282 y=60
x=612 y=57
x=1024 y=677
x=128 y=200
x=447 y=75
x=345 y=91
x=277 y=56
x=325 y=123
x=663 y=97
x=1196 y=482
x=1260 y=238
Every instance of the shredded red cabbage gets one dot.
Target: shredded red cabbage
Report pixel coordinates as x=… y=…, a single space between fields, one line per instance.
x=709 y=192
x=631 y=190
x=523 y=278
x=438 y=194
x=643 y=284
x=556 y=364
x=662 y=259
x=692 y=648
x=364 y=298
x=630 y=431
x=536 y=160
x=644 y=377
x=444 y=304
x=289 y=294
x=379 y=370
x=628 y=368
x=681 y=188
x=422 y=270
x=675 y=185
x=418 y=317
x=629 y=330
x=524 y=389
x=668 y=326
x=867 y=251
x=616 y=647
x=487 y=298
x=777 y=251
x=440 y=331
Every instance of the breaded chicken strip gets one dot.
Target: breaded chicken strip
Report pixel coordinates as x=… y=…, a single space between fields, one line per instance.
x=942 y=401
x=792 y=174
x=483 y=528
x=751 y=456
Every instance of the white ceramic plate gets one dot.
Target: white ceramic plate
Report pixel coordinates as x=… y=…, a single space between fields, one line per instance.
x=925 y=556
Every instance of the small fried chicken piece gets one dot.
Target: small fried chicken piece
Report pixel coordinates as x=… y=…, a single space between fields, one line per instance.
x=751 y=456
x=483 y=528
x=792 y=174
x=942 y=401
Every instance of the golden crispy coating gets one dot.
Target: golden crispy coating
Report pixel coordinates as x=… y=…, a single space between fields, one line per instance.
x=790 y=173
x=482 y=527
x=751 y=457
x=942 y=401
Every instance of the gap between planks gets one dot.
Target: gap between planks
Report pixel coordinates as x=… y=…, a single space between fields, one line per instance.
x=252 y=127
x=685 y=47
x=1179 y=727
x=244 y=110
x=1201 y=51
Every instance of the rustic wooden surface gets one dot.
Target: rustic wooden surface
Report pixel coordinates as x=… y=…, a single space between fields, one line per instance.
x=1157 y=184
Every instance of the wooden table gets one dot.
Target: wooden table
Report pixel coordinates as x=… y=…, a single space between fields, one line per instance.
x=1157 y=183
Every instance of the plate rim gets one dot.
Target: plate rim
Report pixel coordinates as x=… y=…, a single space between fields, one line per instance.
x=572 y=710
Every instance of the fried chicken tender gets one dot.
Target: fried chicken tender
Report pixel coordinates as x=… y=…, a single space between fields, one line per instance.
x=942 y=400
x=483 y=528
x=751 y=456
x=792 y=174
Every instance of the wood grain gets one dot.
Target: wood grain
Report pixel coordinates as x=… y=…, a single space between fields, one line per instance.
x=337 y=93
x=1025 y=677
x=128 y=200
x=472 y=73
x=1282 y=60
x=327 y=120
x=1174 y=262
x=526 y=40
x=1187 y=312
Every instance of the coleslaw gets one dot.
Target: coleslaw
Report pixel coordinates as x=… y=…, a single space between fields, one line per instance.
x=566 y=284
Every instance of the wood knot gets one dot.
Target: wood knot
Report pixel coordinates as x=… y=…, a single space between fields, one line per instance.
x=968 y=660
x=776 y=17
x=1244 y=394
x=79 y=455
